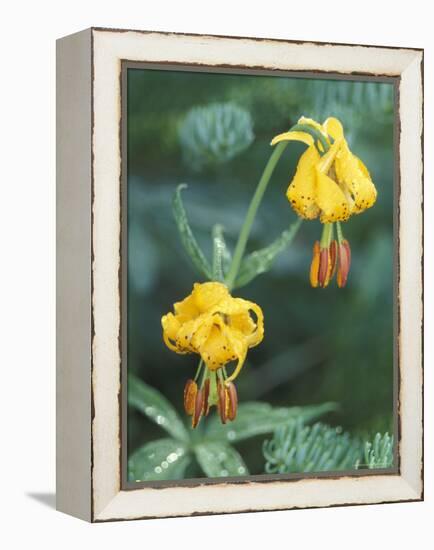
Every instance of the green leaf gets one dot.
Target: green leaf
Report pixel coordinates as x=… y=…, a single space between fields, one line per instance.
x=221 y=255
x=163 y=459
x=255 y=418
x=261 y=260
x=297 y=448
x=219 y=459
x=155 y=406
x=187 y=238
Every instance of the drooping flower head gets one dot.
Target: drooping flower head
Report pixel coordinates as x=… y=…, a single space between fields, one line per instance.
x=220 y=329
x=331 y=184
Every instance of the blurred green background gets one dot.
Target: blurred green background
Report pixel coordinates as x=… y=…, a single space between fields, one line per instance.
x=320 y=344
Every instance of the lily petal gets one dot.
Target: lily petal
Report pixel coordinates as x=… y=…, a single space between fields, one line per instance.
x=186 y=309
x=331 y=200
x=294 y=136
x=351 y=171
x=257 y=335
x=302 y=190
x=171 y=327
x=207 y=295
x=334 y=128
x=217 y=349
x=239 y=346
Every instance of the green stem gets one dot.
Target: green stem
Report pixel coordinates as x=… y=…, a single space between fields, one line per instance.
x=317 y=136
x=251 y=213
x=339 y=231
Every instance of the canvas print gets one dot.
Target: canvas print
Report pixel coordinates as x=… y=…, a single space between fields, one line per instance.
x=260 y=298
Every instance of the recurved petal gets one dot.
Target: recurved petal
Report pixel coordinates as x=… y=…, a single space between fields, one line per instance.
x=208 y=295
x=257 y=335
x=331 y=200
x=334 y=128
x=351 y=171
x=171 y=327
x=186 y=309
x=302 y=189
x=244 y=316
x=363 y=168
x=238 y=344
x=231 y=306
x=294 y=136
x=217 y=350
x=191 y=331
x=172 y=345
x=367 y=192
x=243 y=322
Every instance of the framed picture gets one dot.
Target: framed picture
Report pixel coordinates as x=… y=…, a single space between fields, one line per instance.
x=239 y=274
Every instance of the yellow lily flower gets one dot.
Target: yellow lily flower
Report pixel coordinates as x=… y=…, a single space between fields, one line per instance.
x=331 y=183
x=220 y=329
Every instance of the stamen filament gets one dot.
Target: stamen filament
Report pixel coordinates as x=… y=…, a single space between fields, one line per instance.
x=204 y=376
x=220 y=375
x=339 y=232
x=326 y=235
x=196 y=376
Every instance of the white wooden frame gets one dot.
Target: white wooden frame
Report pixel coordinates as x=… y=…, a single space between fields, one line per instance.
x=88 y=264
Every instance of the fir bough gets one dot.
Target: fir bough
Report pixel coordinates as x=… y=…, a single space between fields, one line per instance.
x=297 y=448
x=378 y=453
x=215 y=133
